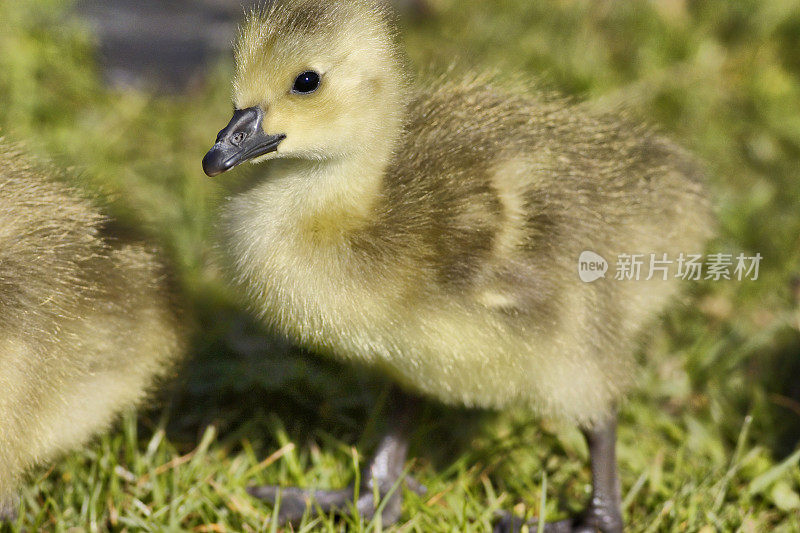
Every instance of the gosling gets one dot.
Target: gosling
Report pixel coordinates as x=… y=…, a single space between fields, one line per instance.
x=86 y=323
x=434 y=232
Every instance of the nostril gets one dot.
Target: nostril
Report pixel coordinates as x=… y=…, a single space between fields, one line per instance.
x=237 y=138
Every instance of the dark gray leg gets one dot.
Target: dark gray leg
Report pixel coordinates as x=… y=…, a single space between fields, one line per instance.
x=8 y=509
x=382 y=473
x=603 y=512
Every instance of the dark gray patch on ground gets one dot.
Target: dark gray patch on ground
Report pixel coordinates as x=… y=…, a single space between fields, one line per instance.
x=167 y=46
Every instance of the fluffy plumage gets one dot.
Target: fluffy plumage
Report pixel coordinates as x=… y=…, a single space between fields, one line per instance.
x=86 y=321
x=435 y=232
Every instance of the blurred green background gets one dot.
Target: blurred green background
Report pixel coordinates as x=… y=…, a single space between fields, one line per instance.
x=707 y=441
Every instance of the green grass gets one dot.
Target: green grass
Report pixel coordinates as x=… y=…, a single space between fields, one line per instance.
x=707 y=441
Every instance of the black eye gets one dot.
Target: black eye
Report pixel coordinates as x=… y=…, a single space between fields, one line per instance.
x=306 y=83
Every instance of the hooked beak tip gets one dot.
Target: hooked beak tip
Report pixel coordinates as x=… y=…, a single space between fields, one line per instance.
x=213 y=164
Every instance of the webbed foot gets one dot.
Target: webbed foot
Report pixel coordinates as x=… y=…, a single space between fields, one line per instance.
x=295 y=502
x=508 y=523
x=384 y=476
x=590 y=522
x=603 y=512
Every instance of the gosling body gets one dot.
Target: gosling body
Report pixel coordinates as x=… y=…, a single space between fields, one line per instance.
x=86 y=321
x=434 y=230
x=455 y=270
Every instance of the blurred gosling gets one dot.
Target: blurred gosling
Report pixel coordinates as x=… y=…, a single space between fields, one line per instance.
x=86 y=322
x=433 y=231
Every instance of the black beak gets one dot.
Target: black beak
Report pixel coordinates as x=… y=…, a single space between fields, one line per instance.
x=241 y=140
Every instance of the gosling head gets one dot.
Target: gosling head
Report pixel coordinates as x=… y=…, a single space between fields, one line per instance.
x=315 y=79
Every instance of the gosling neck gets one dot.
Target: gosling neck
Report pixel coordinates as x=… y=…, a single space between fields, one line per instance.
x=348 y=184
x=327 y=199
